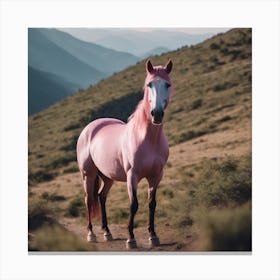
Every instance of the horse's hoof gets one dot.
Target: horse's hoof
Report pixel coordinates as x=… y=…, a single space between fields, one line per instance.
x=154 y=241
x=91 y=237
x=108 y=236
x=131 y=244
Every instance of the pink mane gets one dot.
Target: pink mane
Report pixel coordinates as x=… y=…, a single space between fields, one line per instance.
x=140 y=116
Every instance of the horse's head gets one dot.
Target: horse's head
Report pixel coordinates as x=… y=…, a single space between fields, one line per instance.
x=158 y=89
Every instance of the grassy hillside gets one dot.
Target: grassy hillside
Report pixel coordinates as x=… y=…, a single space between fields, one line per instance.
x=212 y=93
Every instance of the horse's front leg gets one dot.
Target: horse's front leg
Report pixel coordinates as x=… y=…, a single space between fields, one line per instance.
x=132 y=182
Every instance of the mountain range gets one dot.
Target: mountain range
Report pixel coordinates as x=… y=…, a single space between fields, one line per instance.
x=59 y=64
x=137 y=41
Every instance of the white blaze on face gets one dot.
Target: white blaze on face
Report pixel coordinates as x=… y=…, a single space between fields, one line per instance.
x=158 y=93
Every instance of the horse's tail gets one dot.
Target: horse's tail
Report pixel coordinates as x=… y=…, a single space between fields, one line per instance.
x=96 y=210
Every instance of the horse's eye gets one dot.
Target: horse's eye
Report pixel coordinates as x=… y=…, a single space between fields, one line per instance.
x=149 y=85
x=168 y=85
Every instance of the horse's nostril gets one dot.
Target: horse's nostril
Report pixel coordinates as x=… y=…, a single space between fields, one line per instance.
x=153 y=113
x=162 y=113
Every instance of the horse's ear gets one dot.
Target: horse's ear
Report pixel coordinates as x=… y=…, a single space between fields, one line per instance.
x=149 y=67
x=168 y=66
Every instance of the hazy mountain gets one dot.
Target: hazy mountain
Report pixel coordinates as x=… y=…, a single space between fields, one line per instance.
x=44 y=89
x=156 y=51
x=46 y=56
x=103 y=59
x=137 y=42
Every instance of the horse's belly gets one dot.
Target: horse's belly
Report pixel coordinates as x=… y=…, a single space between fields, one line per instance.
x=106 y=152
x=112 y=169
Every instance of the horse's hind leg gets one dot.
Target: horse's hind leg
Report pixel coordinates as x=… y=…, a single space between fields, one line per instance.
x=102 y=199
x=90 y=184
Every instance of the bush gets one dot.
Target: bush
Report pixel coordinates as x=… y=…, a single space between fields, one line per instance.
x=38 y=214
x=223 y=184
x=218 y=203
x=75 y=208
x=224 y=86
x=214 y=46
x=229 y=230
x=56 y=238
x=188 y=135
x=52 y=197
x=196 y=104
x=41 y=176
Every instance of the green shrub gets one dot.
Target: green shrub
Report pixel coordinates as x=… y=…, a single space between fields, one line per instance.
x=52 y=197
x=38 y=214
x=41 y=176
x=72 y=169
x=229 y=230
x=223 y=183
x=168 y=193
x=51 y=238
x=214 y=46
x=76 y=208
x=196 y=104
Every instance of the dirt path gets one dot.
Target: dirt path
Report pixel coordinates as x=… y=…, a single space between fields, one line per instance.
x=168 y=238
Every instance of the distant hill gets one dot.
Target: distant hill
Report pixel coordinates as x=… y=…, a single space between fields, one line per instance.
x=103 y=59
x=137 y=42
x=213 y=93
x=44 y=89
x=155 y=51
x=46 y=56
x=61 y=64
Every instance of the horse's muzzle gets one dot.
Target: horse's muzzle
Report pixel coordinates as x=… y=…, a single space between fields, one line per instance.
x=157 y=116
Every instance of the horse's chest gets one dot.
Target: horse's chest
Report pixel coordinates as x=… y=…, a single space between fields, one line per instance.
x=150 y=161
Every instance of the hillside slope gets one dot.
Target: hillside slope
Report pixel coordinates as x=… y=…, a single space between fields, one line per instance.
x=212 y=83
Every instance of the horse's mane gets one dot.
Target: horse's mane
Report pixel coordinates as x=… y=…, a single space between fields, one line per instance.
x=139 y=116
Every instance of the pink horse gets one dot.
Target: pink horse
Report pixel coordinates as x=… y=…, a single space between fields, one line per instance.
x=109 y=149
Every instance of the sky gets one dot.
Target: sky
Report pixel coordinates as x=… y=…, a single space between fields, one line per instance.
x=138 y=41
x=188 y=30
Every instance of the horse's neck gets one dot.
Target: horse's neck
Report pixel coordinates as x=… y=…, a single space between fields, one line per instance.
x=141 y=125
x=154 y=133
